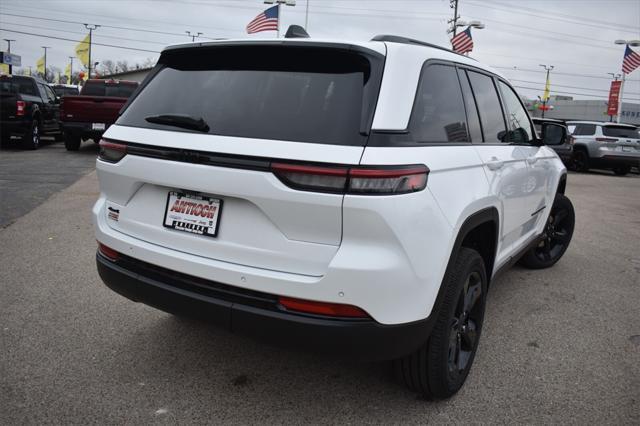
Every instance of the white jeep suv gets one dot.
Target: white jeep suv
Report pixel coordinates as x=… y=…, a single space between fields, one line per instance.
x=351 y=198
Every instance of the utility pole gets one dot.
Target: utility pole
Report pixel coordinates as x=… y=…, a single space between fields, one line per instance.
x=454 y=5
x=9 y=51
x=306 y=18
x=90 y=27
x=70 y=70
x=45 y=61
x=193 y=36
x=548 y=68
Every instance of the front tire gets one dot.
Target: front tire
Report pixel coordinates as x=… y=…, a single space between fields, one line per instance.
x=31 y=139
x=440 y=367
x=581 y=161
x=556 y=237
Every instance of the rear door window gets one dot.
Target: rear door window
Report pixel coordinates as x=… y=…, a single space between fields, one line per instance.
x=438 y=113
x=315 y=95
x=473 y=119
x=489 y=108
x=585 y=130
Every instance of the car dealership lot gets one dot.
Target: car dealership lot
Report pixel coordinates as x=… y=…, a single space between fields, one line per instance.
x=558 y=344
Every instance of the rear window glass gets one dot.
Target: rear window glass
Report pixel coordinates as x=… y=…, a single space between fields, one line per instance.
x=105 y=89
x=620 y=131
x=284 y=93
x=63 y=91
x=17 y=85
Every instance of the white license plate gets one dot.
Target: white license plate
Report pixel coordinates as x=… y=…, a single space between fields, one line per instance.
x=97 y=126
x=195 y=214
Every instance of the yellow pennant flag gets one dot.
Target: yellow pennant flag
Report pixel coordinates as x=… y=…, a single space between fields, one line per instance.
x=82 y=51
x=547 y=89
x=4 y=69
x=40 y=65
x=67 y=72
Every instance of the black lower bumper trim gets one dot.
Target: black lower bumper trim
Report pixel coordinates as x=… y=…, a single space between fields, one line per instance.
x=359 y=339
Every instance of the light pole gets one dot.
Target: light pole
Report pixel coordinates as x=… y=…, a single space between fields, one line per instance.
x=90 y=27
x=633 y=43
x=8 y=40
x=194 y=35
x=545 y=97
x=45 y=61
x=279 y=3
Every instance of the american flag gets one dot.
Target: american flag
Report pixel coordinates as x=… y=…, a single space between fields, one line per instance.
x=462 y=42
x=265 y=21
x=631 y=61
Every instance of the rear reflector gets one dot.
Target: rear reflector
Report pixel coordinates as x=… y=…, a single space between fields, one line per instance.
x=108 y=252
x=112 y=152
x=20 y=107
x=322 y=308
x=362 y=180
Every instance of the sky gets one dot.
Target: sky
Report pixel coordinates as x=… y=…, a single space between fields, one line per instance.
x=575 y=36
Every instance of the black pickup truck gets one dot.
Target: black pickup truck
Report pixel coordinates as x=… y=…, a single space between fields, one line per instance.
x=29 y=109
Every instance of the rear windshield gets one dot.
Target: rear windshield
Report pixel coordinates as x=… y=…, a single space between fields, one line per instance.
x=108 y=89
x=620 y=132
x=62 y=91
x=14 y=85
x=289 y=93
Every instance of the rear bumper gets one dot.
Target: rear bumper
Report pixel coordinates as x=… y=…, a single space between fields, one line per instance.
x=258 y=314
x=14 y=127
x=83 y=130
x=620 y=160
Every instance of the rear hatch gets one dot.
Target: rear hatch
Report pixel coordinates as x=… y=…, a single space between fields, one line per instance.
x=623 y=140
x=209 y=126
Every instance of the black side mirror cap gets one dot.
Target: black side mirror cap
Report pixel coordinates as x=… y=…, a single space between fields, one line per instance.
x=554 y=134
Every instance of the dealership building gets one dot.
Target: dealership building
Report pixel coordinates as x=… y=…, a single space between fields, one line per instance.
x=567 y=108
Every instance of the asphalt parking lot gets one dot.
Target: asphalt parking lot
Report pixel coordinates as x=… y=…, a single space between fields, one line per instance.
x=559 y=346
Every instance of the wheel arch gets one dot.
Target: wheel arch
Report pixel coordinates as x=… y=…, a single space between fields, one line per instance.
x=562 y=184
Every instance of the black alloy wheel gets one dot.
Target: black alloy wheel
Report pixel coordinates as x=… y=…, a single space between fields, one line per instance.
x=556 y=236
x=581 y=161
x=463 y=335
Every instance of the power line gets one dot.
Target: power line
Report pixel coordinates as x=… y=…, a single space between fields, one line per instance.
x=78 y=41
x=571 y=87
x=522 y=11
x=557 y=73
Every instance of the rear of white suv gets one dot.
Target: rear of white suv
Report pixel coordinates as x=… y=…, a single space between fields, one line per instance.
x=297 y=191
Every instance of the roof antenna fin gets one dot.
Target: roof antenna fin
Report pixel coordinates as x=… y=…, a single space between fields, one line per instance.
x=296 y=31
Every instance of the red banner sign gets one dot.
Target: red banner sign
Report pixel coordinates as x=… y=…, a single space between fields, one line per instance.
x=614 y=97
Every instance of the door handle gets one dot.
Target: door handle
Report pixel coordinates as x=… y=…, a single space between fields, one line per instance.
x=495 y=164
x=532 y=160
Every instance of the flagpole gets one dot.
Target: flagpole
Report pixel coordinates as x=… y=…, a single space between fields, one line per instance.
x=279 y=18
x=620 y=98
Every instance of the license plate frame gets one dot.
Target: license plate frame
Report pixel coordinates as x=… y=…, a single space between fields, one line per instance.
x=98 y=126
x=196 y=224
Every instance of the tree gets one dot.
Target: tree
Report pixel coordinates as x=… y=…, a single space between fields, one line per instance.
x=108 y=67
x=122 y=66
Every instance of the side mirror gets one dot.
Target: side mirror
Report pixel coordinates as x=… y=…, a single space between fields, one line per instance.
x=553 y=134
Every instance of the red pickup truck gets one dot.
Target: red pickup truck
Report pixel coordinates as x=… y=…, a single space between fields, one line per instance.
x=88 y=115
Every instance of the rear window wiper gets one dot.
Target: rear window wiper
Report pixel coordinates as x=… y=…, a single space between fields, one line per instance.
x=179 y=120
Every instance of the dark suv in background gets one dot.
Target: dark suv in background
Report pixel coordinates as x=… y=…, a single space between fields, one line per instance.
x=29 y=108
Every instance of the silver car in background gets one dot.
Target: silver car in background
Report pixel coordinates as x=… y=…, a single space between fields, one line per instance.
x=605 y=145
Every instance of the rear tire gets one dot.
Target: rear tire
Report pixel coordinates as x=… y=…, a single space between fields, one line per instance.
x=621 y=170
x=71 y=142
x=581 y=161
x=31 y=139
x=556 y=237
x=440 y=367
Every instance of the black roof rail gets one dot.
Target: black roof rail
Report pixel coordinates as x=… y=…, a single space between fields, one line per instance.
x=406 y=40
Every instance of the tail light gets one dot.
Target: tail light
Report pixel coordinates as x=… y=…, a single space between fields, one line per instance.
x=606 y=140
x=322 y=308
x=108 y=252
x=20 y=108
x=112 y=152
x=361 y=180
